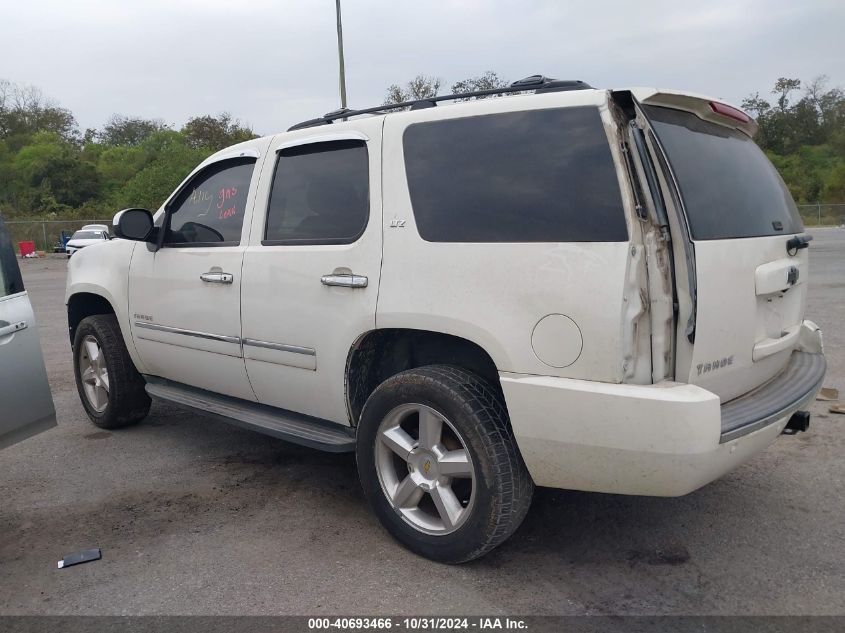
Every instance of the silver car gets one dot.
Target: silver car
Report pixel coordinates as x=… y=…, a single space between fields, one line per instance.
x=26 y=405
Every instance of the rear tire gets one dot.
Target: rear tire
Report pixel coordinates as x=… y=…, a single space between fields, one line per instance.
x=439 y=465
x=110 y=387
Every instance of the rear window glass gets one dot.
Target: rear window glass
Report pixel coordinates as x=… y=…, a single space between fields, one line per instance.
x=729 y=187
x=531 y=176
x=88 y=235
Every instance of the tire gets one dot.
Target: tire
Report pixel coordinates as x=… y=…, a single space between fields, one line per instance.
x=110 y=387
x=419 y=509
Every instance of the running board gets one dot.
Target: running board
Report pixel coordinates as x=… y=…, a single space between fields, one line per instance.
x=285 y=425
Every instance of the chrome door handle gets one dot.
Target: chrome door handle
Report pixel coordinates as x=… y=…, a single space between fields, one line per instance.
x=214 y=277
x=12 y=328
x=346 y=281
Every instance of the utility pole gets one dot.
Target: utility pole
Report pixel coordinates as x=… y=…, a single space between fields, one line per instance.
x=340 y=56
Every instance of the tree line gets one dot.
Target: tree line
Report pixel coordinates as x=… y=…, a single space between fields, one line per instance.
x=802 y=130
x=49 y=168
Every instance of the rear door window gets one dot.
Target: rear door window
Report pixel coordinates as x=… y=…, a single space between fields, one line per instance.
x=729 y=187
x=531 y=176
x=320 y=194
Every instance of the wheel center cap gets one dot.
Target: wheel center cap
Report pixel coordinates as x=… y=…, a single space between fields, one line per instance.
x=423 y=466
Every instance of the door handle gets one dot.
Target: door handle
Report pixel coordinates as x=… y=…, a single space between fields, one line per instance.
x=12 y=328
x=216 y=277
x=345 y=281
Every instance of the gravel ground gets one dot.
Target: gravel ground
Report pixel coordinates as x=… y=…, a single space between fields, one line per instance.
x=197 y=517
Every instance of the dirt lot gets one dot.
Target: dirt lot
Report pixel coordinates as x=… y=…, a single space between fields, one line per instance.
x=195 y=516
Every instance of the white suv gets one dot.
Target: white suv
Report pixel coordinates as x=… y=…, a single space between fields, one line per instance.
x=568 y=287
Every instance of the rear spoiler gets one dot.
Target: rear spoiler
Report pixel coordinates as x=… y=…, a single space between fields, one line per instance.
x=707 y=108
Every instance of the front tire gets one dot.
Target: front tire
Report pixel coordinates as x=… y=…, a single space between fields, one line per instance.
x=109 y=385
x=439 y=465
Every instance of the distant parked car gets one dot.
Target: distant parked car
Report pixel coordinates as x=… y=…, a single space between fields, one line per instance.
x=96 y=227
x=26 y=406
x=86 y=236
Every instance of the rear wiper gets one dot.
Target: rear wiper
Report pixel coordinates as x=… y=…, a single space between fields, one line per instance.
x=798 y=242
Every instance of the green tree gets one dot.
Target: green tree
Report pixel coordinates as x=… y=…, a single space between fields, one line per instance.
x=420 y=87
x=215 y=133
x=834 y=184
x=25 y=111
x=756 y=105
x=804 y=135
x=783 y=88
x=128 y=131
x=50 y=166
x=488 y=81
x=168 y=159
x=828 y=103
x=116 y=166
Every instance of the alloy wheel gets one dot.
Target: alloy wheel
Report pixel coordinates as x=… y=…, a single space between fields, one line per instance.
x=425 y=469
x=94 y=374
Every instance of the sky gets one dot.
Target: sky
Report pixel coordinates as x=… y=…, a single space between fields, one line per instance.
x=272 y=63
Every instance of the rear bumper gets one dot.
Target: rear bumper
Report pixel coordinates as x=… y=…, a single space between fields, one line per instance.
x=663 y=440
x=793 y=388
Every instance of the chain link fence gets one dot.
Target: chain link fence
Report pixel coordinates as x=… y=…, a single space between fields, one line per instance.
x=822 y=214
x=47 y=234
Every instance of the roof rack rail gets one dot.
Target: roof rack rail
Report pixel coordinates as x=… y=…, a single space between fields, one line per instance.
x=535 y=83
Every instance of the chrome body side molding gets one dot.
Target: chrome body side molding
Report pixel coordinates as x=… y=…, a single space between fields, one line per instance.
x=281 y=347
x=177 y=330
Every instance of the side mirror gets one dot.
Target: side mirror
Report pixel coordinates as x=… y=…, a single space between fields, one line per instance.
x=133 y=224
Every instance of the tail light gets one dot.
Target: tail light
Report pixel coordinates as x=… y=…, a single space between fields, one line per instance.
x=729 y=111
